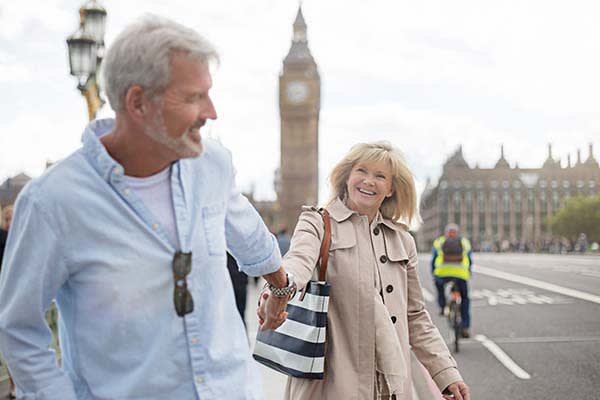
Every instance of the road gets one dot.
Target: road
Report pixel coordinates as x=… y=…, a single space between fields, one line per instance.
x=536 y=326
x=536 y=329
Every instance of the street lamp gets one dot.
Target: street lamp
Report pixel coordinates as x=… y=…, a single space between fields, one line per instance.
x=86 y=48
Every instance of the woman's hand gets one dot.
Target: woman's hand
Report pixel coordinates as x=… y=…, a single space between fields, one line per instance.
x=457 y=391
x=271 y=311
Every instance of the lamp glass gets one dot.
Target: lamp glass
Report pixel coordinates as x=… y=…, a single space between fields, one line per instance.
x=82 y=56
x=95 y=23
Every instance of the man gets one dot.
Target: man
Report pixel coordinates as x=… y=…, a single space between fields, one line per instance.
x=129 y=234
x=452 y=261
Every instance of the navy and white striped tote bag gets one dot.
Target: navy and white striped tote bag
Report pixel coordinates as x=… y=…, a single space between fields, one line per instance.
x=297 y=347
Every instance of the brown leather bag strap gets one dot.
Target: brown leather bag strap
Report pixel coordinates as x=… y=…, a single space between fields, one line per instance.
x=325 y=245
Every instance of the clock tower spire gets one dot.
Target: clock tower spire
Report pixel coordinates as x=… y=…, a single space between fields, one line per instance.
x=299 y=106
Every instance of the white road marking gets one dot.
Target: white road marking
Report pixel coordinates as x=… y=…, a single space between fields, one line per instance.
x=428 y=296
x=550 y=339
x=537 y=283
x=503 y=357
x=515 y=296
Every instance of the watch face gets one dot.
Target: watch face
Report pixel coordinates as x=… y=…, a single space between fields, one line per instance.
x=296 y=92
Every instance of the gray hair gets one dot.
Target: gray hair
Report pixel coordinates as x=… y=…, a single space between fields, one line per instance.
x=141 y=55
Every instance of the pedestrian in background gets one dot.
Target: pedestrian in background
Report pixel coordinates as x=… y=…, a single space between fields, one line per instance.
x=6 y=218
x=376 y=310
x=129 y=235
x=283 y=240
x=240 y=285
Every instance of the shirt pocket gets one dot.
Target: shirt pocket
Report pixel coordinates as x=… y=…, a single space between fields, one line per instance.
x=342 y=251
x=213 y=221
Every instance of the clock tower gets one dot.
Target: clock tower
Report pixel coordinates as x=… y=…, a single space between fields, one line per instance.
x=299 y=105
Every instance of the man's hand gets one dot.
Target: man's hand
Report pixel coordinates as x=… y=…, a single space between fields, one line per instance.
x=457 y=391
x=271 y=310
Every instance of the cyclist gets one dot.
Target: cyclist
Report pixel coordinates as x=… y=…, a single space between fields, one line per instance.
x=451 y=261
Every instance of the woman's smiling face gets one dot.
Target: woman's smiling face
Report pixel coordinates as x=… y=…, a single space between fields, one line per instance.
x=369 y=183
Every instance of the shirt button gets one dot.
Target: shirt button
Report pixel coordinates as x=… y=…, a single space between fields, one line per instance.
x=118 y=171
x=194 y=340
x=155 y=227
x=389 y=289
x=199 y=380
x=126 y=192
x=376 y=231
x=393 y=320
x=383 y=259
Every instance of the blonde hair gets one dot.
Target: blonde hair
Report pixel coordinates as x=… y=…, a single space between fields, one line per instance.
x=402 y=204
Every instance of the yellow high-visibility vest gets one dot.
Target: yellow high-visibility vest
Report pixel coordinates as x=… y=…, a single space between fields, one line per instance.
x=453 y=269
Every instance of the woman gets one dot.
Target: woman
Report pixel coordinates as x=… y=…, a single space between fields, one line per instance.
x=376 y=311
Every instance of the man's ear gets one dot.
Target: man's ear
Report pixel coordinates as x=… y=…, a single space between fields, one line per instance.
x=135 y=102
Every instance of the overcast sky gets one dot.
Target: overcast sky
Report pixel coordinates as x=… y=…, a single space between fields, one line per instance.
x=425 y=75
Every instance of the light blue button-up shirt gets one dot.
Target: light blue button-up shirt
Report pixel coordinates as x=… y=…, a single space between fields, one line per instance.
x=80 y=236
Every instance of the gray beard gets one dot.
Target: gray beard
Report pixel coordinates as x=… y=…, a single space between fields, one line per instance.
x=158 y=132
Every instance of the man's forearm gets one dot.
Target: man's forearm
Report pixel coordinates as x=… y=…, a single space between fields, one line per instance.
x=277 y=278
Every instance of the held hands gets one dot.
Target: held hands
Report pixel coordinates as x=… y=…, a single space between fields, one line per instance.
x=457 y=391
x=271 y=310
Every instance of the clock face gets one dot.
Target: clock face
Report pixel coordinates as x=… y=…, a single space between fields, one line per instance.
x=296 y=92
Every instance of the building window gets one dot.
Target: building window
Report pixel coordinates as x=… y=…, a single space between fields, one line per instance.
x=518 y=205
x=443 y=207
x=456 y=206
x=543 y=202
x=481 y=209
x=469 y=208
x=506 y=208
x=555 y=200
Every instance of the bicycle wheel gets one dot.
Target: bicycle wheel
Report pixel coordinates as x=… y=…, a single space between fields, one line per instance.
x=456 y=324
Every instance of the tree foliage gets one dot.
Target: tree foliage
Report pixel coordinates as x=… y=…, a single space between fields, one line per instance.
x=580 y=215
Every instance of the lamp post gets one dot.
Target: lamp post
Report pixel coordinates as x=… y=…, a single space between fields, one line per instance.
x=86 y=49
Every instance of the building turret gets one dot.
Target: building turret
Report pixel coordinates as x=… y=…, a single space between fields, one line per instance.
x=550 y=162
x=591 y=161
x=502 y=163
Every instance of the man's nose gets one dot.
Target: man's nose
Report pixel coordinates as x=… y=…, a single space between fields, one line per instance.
x=210 y=112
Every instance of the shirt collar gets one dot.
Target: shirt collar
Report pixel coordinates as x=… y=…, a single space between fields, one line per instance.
x=95 y=152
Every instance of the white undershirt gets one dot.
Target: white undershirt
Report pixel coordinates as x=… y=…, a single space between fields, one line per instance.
x=155 y=192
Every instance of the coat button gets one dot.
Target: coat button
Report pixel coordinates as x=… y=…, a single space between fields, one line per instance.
x=383 y=259
x=393 y=320
x=389 y=289
x=376 y=231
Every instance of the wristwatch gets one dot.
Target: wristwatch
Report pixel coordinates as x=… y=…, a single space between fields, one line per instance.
x=287 y=291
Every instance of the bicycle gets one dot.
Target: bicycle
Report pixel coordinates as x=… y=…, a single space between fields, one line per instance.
x=453 y=300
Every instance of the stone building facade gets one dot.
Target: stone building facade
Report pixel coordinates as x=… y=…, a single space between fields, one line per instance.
x=503 y=207
x=11 y=187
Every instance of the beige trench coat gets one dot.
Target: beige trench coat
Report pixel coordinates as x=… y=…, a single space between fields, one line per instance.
x=356 y=251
